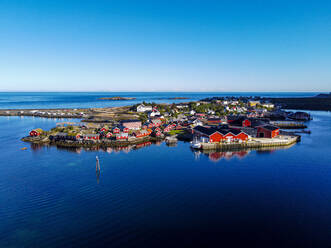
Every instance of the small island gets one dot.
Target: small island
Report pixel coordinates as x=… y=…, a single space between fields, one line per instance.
x=210 y=124
x=117 y=98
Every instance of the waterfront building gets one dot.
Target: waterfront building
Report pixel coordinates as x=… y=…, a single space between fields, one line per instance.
x=267 y=131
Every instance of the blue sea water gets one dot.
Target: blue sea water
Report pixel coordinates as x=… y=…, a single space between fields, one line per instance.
x=160 y=196
x=30 y=100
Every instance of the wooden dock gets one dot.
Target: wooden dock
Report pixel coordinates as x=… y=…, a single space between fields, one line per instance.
x=289 y=124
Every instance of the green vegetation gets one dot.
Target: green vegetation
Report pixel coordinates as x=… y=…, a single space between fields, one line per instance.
x=174 y=132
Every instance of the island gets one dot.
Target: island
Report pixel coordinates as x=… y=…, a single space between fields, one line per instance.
x=178 y=98
x=117 y=98
x=209 y=124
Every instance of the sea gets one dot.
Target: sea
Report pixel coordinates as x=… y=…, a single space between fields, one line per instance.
x=156 y=195
x=46 y=100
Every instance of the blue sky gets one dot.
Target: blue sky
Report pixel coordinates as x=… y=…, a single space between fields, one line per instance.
x=141 y=45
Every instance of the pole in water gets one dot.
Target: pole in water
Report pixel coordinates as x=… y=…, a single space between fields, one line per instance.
x=97 y=166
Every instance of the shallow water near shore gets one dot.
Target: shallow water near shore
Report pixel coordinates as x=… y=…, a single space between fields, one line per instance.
x=164 y=196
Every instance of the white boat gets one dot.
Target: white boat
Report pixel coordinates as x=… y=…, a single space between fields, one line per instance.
x=195 y=144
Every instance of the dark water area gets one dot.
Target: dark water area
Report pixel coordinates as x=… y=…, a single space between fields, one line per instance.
x=30 y=100
x=160 y=196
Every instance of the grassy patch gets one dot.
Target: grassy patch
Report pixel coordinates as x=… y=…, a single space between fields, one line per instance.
x=174 y=132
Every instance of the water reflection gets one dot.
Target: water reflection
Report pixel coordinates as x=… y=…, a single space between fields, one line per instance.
x=216 y=155
x=117 y=149
x=98 y=176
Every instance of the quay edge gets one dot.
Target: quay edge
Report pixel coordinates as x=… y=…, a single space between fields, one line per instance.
x=255 y=143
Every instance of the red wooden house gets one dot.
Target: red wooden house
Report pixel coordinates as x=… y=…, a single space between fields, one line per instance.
x=122 y=136
x=94 y=136
x=142 y=133
x=36 y=132
x=267 y=131
x=218 y=135
x=103 y=129
x=116 y=130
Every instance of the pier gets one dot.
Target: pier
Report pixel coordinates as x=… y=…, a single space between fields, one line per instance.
x=282 y=140
x=289 y=124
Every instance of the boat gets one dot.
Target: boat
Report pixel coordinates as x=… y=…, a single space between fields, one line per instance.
x=171 y=140
x=195 y=144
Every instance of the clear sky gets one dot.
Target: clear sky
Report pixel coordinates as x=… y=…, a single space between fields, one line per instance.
x=68 y=45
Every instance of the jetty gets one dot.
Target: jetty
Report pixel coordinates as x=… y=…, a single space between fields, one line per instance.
x=289 y=124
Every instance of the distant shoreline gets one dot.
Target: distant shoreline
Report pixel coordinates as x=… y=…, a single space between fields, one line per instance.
x=303 y=103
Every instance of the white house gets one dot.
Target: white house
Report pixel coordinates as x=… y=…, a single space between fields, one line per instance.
x=143 y=108
x=268 y=105
x=154 y=113
x=211 y=112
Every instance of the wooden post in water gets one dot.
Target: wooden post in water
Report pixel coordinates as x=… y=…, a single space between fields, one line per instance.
x=97 y=166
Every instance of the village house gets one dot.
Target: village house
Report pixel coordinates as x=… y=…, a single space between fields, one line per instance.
x=131 y=124
x=154 y=113
x=267 y=131
x=142 y=133
x=156 y=122
x=116 y=130
x=143 y=108
x=36 y=132
x=253 y=103
x=122 y=136
x=268 y=105
x=93 y=136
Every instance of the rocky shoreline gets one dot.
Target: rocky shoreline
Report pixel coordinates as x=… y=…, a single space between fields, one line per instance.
x=88 y=143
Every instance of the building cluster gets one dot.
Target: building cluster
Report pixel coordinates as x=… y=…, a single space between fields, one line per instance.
x=214 y=121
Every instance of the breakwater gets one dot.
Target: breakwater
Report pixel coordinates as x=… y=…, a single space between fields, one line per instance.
x=289 y=124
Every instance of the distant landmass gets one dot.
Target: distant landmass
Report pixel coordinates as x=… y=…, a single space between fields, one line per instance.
x=323 y=95
x=318 y=102
x=177 y=98
x=117 y=98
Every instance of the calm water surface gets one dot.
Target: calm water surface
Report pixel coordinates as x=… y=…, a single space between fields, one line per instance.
x=164 y=196
x=30 y=100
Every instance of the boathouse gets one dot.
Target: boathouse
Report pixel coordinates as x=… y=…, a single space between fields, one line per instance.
x=216 y=135
x=267 y=131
